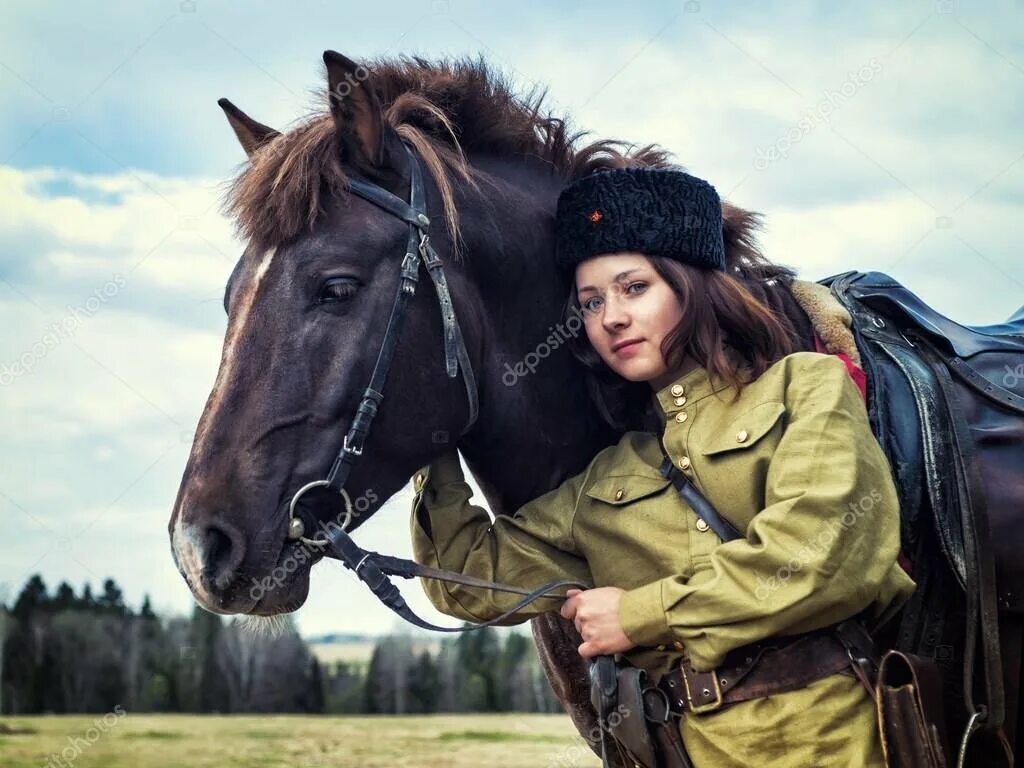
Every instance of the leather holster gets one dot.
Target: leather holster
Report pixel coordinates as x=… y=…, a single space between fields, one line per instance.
x=911 y=721
x=635 y=716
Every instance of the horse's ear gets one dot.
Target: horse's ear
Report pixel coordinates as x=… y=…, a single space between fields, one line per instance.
x=250 y=133
x=358 y=117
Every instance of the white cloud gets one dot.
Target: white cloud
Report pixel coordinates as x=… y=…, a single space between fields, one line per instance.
x=158 y=233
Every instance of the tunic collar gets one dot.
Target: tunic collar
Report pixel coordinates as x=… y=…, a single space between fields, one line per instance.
x=692 y=386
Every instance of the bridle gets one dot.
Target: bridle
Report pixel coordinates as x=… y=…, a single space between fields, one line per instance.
x=373 y=567
x=456 y=356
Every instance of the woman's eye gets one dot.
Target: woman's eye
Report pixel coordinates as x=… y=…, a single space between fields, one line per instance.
x=592 y=304
x=633 y=285
x=337 y=289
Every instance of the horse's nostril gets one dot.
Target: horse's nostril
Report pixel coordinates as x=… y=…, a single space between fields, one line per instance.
x=223 y=549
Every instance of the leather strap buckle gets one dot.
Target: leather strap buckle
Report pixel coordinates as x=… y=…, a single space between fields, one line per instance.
x=699 y=687
x=860 y=650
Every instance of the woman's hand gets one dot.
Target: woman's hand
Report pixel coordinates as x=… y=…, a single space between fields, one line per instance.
x=595 y=612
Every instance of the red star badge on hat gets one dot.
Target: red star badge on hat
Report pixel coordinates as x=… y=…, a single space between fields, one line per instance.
x=595 y=215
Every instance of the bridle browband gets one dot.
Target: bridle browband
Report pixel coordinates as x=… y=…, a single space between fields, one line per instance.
x=373 y=567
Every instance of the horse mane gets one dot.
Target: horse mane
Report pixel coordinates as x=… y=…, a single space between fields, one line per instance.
x=447 y=109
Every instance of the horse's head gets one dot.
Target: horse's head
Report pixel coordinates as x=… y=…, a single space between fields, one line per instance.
x=310 y=298
x=307 y=305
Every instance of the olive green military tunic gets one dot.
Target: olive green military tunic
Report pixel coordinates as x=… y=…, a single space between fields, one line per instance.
x=793 y=463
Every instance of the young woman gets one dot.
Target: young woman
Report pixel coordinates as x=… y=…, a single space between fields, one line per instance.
x=687 y=359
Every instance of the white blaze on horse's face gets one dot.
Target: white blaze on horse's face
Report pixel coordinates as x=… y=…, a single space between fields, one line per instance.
x=625 y=299
x=237 y=323
x=186 y=541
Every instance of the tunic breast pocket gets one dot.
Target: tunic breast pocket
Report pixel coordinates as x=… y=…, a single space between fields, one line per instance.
x=633 y=530
x=735 y=461
x=620 y=490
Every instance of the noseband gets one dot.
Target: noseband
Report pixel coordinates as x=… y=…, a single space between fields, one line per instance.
x=455 y=355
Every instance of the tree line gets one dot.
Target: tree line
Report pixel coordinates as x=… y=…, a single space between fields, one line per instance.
x=83 y=652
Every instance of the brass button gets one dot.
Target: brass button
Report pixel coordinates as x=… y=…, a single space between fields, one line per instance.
x=680 y=401
x=677 y=389
x=681 y=416
x=618 y=494
x=418 y=481
x=677 y=645
x=661 y=647
x=684 y=463
x=741 y=436
x=701 y=524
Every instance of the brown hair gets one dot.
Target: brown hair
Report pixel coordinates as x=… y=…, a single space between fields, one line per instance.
x=746 y=307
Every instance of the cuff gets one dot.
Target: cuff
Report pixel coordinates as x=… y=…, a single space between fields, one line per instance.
x=442 y=506
x=642 y=615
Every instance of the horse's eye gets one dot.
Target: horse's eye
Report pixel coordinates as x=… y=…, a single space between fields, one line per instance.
x=337 y=289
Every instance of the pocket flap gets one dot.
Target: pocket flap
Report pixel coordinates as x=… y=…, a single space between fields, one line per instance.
x=745 y=430
x=622 y=489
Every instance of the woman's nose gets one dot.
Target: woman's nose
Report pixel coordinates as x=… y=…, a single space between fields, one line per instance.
x=615 y=315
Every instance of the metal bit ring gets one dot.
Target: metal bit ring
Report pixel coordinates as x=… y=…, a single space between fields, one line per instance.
x=297 y=529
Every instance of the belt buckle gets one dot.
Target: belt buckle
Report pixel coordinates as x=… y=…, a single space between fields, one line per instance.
x=707 y=706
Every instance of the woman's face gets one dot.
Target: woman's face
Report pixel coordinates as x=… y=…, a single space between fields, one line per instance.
x=628 y=309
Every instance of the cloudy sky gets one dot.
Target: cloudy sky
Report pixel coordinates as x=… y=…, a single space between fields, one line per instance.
x=884 y=137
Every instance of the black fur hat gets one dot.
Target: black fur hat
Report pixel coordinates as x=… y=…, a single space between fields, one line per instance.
x=655 y=211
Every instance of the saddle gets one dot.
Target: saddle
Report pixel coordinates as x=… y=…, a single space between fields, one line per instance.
x=946 y=403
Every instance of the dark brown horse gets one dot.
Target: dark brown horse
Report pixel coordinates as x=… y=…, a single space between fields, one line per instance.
x=309 y=299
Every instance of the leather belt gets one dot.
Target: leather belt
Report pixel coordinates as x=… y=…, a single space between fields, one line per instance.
x=774 y=665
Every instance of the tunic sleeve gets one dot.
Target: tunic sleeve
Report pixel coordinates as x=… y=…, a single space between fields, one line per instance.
x=533 y=546
x=823 y=548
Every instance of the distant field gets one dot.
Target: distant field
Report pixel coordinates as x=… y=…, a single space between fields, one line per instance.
x=187 y=741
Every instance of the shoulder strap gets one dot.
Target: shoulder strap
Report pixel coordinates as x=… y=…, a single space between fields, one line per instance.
x=697 y=500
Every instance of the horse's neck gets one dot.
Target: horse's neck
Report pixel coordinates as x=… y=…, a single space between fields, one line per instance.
x=534 y=430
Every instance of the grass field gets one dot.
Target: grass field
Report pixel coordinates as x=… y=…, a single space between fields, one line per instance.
x=186 y=741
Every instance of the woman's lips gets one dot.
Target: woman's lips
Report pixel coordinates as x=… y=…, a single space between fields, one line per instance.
x=628 y=349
